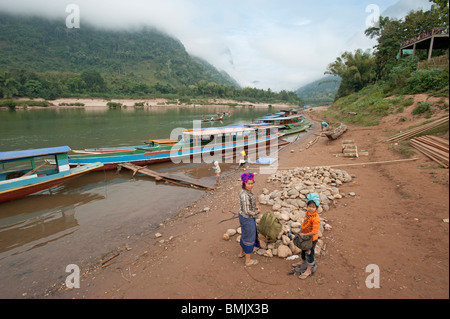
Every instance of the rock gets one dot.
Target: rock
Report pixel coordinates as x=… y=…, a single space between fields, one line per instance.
x=327 y=227
x=157 y=235
x=318 y=248
x=293 y=193
x=284 y=251
x=226 y=237
x=295 y=250
x=263 y=244
x=352 y=194
x=296 y=225
x=286 y=240
x=268 y=253
x=261 y=251
x=231 y=232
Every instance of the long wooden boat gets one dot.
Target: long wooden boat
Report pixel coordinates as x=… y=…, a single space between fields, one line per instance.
x=296 y=128
x=150 y=144
x=282 y=118
x=195 y=143
x=24 y=176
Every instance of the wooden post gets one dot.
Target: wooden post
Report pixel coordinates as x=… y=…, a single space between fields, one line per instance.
x=430 y=51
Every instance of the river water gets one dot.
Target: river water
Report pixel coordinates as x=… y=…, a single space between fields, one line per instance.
x=80 y=221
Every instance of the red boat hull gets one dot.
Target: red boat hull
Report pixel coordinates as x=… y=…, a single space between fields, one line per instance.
x=25 y=191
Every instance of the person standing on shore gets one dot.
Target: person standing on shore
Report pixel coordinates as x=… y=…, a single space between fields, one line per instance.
x=248 y=212
x=217 y=170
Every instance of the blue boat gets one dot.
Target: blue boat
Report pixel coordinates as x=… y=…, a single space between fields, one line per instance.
x=26 y=172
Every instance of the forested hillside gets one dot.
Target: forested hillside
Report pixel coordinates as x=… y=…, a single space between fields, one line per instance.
x=42 y=58
x=320 y=92
x=143 y=55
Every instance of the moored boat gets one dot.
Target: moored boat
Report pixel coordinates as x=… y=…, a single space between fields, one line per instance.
x=220 y=141
x=150 y=144
x=296 y=128
x=25 y=172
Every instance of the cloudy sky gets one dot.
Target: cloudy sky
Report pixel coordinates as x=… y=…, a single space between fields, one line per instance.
x=277 y=44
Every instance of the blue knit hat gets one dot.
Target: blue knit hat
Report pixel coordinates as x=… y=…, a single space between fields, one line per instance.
x=313 y=197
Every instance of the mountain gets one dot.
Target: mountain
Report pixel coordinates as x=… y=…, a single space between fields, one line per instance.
x=320 y=92
x=141 y=56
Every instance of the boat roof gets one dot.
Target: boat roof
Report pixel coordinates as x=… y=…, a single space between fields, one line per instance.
x=164 y=141
x=268 y=117
x=13 y=155
x=257 y=124
x=284 y=117
x=225 y=130
x=219 y=130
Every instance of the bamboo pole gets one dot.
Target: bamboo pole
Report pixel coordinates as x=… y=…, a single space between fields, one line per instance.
x=356 y=164
x=415 y=131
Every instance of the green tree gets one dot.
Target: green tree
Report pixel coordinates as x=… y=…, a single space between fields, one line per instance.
x=355 y=69
x=442 y=9
x=8 y=85
x=76 y=85
x=33 y=88
x=94 y=81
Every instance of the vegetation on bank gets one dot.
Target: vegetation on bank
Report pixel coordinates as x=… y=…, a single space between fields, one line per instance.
x=375 y=84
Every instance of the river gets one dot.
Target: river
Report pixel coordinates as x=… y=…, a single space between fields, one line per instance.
x=80 y=221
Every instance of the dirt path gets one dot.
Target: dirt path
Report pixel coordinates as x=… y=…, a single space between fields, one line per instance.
x=395 y=222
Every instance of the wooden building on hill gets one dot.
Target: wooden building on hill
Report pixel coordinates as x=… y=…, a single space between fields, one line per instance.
x=431 y=40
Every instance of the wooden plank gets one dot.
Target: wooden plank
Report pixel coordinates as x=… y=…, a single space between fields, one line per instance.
x=430 y=155
x=431 y=152
x=170 y=178
x=417 y=130
x=431 y=148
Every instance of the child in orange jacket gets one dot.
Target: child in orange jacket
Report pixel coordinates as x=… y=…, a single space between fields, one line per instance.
x=310 y=227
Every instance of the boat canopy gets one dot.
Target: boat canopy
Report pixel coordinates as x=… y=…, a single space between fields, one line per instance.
x=14 y=155
x=164 y=141
x=218 y=130
x=284 y=118
x=268 y=117
x=227 y=130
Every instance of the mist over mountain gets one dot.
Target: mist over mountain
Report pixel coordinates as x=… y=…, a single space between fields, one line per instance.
x=141 y=55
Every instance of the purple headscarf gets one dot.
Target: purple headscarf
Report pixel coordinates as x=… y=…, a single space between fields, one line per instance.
x=246 y=177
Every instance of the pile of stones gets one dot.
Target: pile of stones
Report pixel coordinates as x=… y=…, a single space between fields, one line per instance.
x=288 y=202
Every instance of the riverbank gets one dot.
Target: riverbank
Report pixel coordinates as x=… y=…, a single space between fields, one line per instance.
x=394 y=219
x=146 y=103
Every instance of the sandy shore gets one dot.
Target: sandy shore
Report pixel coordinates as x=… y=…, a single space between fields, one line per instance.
x=153 y=103
x=395 y=221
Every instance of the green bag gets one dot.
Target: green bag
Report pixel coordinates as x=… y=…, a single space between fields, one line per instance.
x=269 y=226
